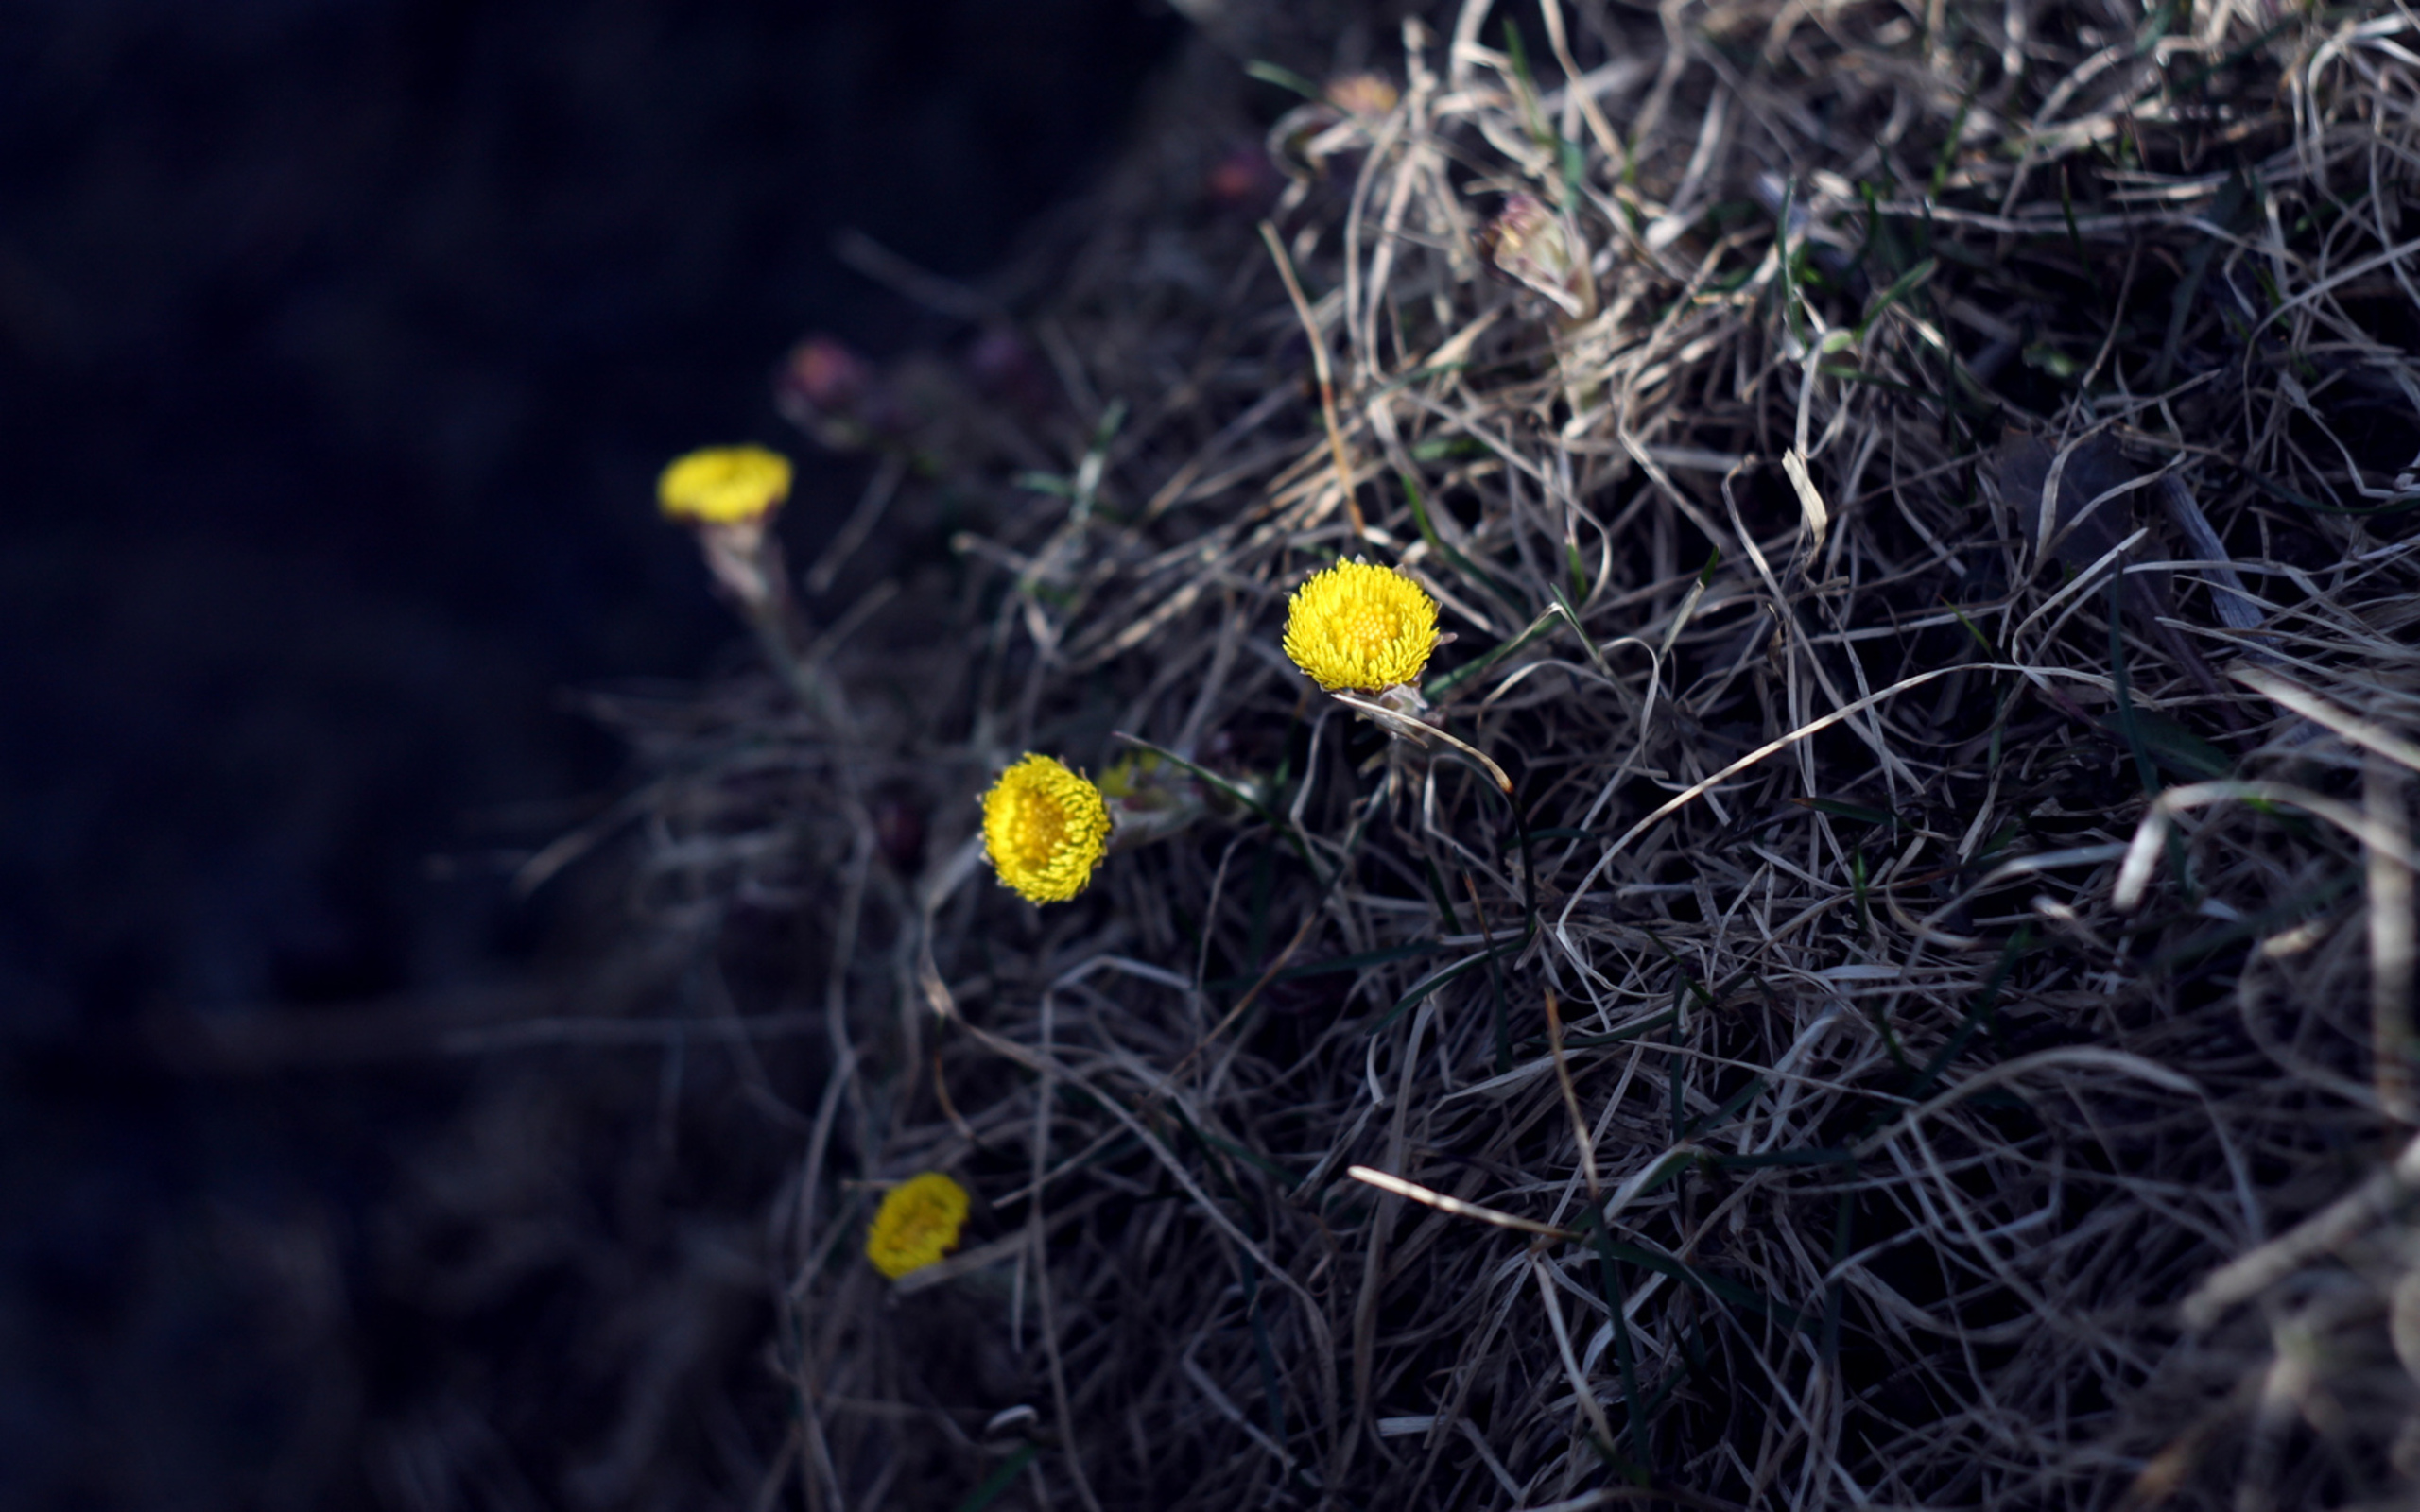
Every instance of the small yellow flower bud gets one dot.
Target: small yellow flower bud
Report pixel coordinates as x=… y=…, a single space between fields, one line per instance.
x=1361 y=627
x=918 y=1223
x=724 y=485
x=1045 y=828
x=1362 y=94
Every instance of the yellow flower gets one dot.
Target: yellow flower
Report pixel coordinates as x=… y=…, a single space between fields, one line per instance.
x=1045 y=828
x=1358 y=626
x=724 y=485
x=917 y=1224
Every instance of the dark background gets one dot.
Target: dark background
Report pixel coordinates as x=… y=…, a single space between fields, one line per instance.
x=340 y=341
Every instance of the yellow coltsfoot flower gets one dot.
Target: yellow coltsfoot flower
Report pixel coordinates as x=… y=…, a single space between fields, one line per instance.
x=724 y=485
x=918 y=1223
x=1045 y=828
x=1361 y=627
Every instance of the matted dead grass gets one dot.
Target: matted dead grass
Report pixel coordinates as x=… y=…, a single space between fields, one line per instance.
x=1931 y=1024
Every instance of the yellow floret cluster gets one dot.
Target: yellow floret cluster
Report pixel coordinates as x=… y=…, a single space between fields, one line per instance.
x=724 y=485
x=918 y=1223
x=1045 y=828
x=1361 y=627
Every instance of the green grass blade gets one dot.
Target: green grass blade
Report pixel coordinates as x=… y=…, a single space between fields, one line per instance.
x=1000 y=1480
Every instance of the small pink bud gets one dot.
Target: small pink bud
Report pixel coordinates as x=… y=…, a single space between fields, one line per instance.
x=1243 y=180
x=825 y=373
x=829 y=392
x=1005 y=366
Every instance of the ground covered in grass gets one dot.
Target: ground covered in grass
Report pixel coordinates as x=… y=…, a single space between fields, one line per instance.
x=1923 y=498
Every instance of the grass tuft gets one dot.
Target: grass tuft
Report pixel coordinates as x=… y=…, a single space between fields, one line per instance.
x=1958 y=865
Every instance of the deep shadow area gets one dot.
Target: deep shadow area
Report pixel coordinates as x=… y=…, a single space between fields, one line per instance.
x=340 y=341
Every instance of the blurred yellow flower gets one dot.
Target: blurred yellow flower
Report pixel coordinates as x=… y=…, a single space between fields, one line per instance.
x=1365 y=94
x=724 y=485
x=1358 y=626
x=1045 y=828
x=917 y=1224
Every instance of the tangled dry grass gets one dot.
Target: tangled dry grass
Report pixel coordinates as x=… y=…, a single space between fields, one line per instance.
x=1925 y=503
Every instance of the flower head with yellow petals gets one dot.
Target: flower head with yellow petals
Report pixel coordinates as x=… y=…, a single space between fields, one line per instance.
x=724 y=485
x=1045 y=828
x=1361 y=627
x=918 y=1223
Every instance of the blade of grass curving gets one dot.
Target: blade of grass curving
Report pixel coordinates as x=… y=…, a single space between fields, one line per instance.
x=1275 y=820
x=1424 y=986
x=1786 y=1158
x=1835 y=1295
x=2172 y=747
x=1882 y=1016
x=2131 y=724
x=1565 y=601
x=1905 y=284
x=1460 y=562
x=2197 y=269
x=1957 y=400
x=1976 y=1017
x=2300 y=906
x=1284 y=77
x=1722 y=1288
x=1333 y=964
x=1949 y=154
x=992 y=1486
x=1422 y=732
x=1437 y=688
x=1252 y=1158
x=2271 y=486
x=1786 y=281
x=1609 y=1277
x=1673 y=1060
x=1730 y=1106
x=1437 y=890
x=1495 y=982
x=1856 y=812
x=1272 y=1399
x=1624 y=1035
